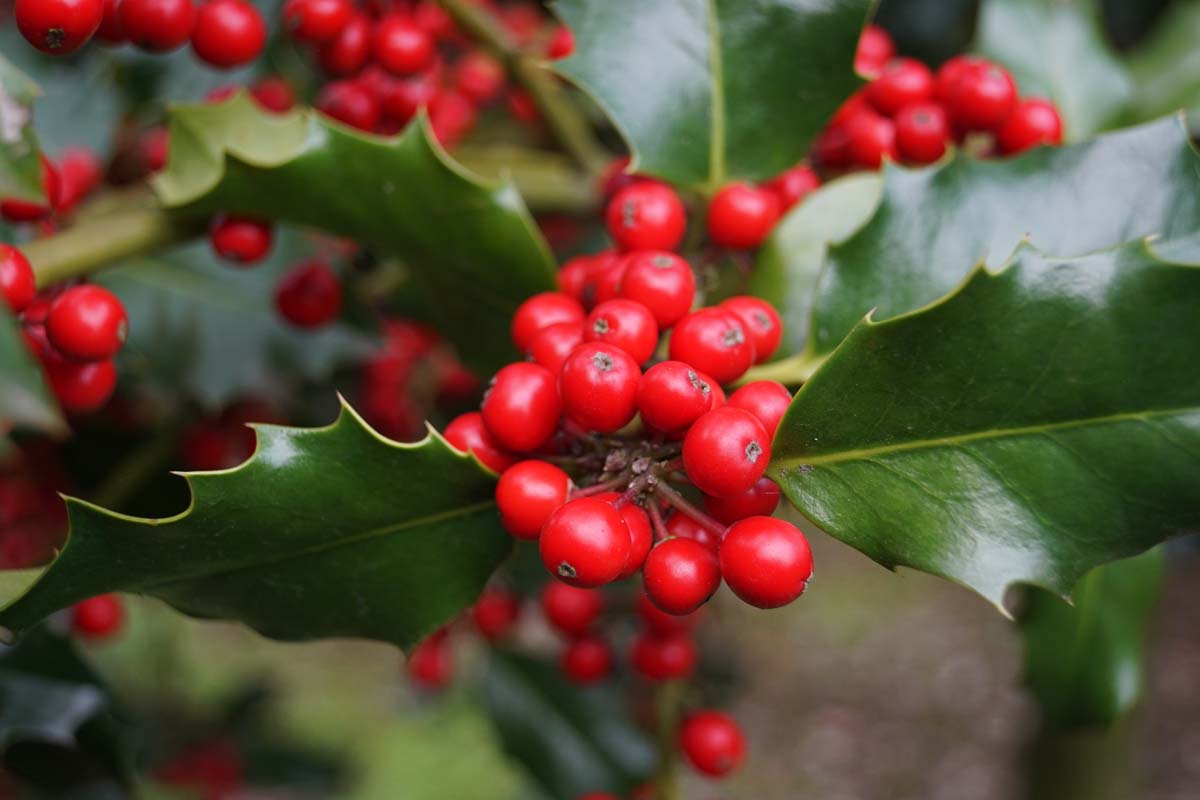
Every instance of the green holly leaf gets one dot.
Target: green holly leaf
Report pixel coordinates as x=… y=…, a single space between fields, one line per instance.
x=1032 y=425
x=1084 y=661
x=572 y=740
x=25 y=399
x=933 y=224
x=707 y=91
x=471 y=245
x=1166 y=64
x=325 y=532
x=20 y=171
x=1058 y=50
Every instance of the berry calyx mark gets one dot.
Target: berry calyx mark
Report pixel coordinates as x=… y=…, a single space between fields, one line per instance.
x=602 y=361
x=565 y=570
x=55 y=38
x=753 y=451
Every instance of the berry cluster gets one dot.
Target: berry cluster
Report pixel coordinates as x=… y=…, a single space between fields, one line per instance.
x=64 y=185
x=912 y=114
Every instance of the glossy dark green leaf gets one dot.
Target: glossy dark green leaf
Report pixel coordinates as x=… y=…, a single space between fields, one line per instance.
x=20 y=172
x=472 y=245
x=707 y=90
x=1166 y=64
x=25 y=400
x=1058 y=50
x=1084 y=661
x=1034 y=424
x=572 y=740
x=191 y=312
x=933 y=225
x=325 y=532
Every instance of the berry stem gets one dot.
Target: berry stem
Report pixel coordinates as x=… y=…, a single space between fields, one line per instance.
x=668 y=698
x=682 y=505
x=656 y=521
x=600 y=488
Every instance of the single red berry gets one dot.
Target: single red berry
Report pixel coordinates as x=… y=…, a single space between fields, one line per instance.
x=903 y=82
x=1034 y=122
x=872 y=138
x=626 y=324
x=760 y=321
x=599 y=385
x=587 y=660
x=522 y=107
x=921 y=133
x=309 y=295
x=641 y=538
x=273 y=94
x=574 y=274
x=155 y=147
x=662 y=623
x=79 y=173
x=571 y=610
x=585 y=543
x=646 y=216
x=58 y=27
x=760 y=500
x=522 y=407
x=82 y=388
x=875 y=49
x=766 y=561
x=561 y=44
x=479 y=76
x=982 y=97
x=606 y=282
x=945 y=80
x=714 y=341
x=98 y=617
x=793 y=185
x=551 y=346
x=431 y=663
x=468 y=434
x=401 y=47
x=661 y=281
x=228 y=33
x=316 y=21
x=713 y=743
x=741 y=216
x=348 y=51
x=527 y=494
x=110 y=30
x=17 y=284
x=726 y=451
x=15 y=210
x=672 y=395
x=717 y=392
x=87 y=323
x=434 y=20
x=680 y=575
x=542 y=311
x=402 y=98
x=208 y=445
x=768 y=401
x=663 y=658
x=350 y=103
x=157 y=25
x=495 y=613
x=243 y=240
x=452 y=116
x=684 y=526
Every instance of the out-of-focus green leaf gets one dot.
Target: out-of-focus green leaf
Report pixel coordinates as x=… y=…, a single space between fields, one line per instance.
x=1166 y=64
x=25 y=399
x=20 y=172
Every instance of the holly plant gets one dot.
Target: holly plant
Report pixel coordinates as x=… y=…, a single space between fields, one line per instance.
x=567 y=328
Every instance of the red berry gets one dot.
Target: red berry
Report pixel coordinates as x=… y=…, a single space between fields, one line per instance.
x=741 y=216
x=587 y=660
x=402 y=98
x=585 y=543
x=551 y=346
x=110 y=30
x=82 y=388
x=522 y=107
x=680 y=575
x=571 y=610
x=156 y=25
x=522 y=407
x=760 y=321
x=309 y=295
x=348 y=51
x=15 y=210
x=875 y=49
x=671 y=396
x=87 y=323
x=872 y=138
x=713 y=341
x=616 y=176
x=760 y=500
x=904 y=81
x=228 y=33
x=684 y=527
x=712 y=742
x=574 y=274
x=17 y=285
x=768 y=401
x=982 y=97
x=433 y=19
x=599 y=386
x=242 y=240
x=527 y=494
x=945 y=80
x=663 y=658
x=1034 y=122
x=921 y=133
x=98 y=617
x=641 y=538
x=79 y=173
x=662 y=623
x=316 y=21
x=542 y=311
x=661 y=281
x=793 y=185
x=495 y=613
x=468 y=434
x=452 y=116
x=431 y=663
x=766 y=561
x=273 y=94
x=726 y=451
x=349 y=103
x=155 y=146
x=479 y=76
x=626 y=324
x=58 y=26
x=646 y=216
x=606 y=282
x=401 y=47
x=562 y=43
